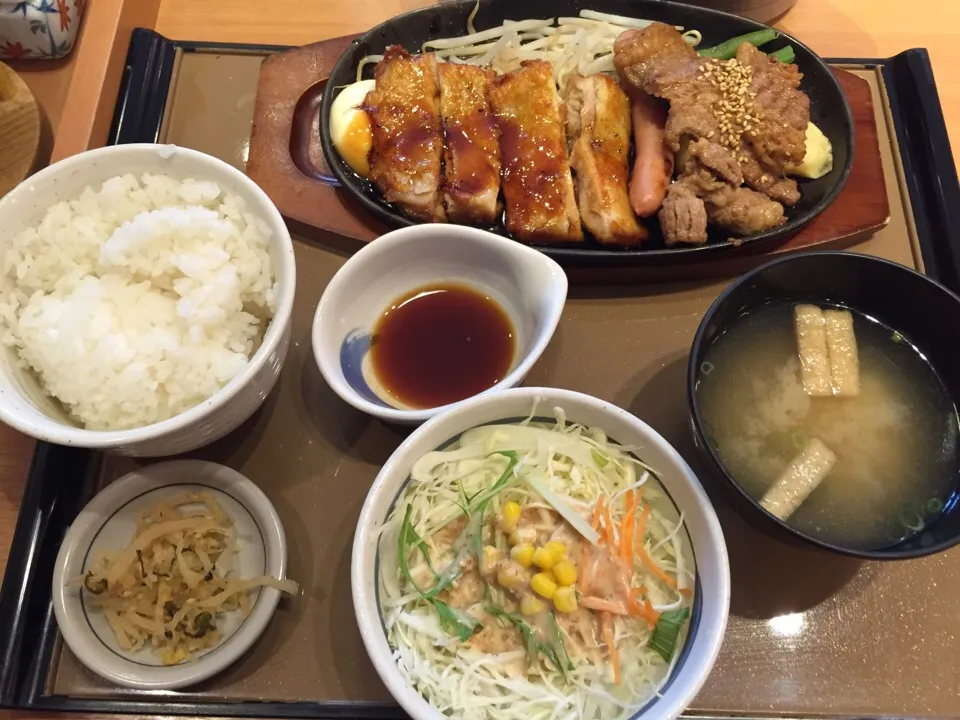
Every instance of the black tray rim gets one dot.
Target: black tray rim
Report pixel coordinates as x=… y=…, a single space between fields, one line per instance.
x=60 y=479
x=594 y=256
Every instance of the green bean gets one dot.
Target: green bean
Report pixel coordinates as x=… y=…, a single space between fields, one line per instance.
x=784 y=55
x=727 y=49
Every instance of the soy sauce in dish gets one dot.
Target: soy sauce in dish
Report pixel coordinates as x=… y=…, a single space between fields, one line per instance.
x=441 y=343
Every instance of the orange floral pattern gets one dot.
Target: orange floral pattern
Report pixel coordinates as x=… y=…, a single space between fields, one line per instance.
x=43 y=29
x=64 y=12
x=13 y=51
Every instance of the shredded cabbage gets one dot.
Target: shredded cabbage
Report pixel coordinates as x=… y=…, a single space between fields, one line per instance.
x=561 y=468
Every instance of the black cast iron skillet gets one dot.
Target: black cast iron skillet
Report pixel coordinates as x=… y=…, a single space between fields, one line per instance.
x=828 y=109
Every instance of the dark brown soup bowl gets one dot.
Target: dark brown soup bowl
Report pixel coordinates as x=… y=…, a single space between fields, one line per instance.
x=923 y=311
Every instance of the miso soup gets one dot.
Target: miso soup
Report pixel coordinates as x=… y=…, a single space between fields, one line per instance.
x=895 y=443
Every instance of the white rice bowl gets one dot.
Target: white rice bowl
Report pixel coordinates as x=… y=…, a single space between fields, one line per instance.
x=139 y=299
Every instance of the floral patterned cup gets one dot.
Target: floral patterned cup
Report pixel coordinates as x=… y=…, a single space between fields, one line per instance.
x=38 y=29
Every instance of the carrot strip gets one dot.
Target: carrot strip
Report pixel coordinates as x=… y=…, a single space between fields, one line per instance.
x=597 y=510
x=645 y=609
x=608 y=527
x=645 y=556
x=626 y=531
x=656 y=569
x=584 y=580
x=606 y=606
x=686 y=592
x=608 y=639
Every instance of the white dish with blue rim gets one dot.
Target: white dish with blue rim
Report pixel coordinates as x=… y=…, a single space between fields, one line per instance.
x=530 y=287
x=711 y=596
x=108 y=523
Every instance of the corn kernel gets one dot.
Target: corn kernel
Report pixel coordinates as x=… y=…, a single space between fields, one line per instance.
x=543 y=558
x=509 y=516
x=557 y=549
x=523 y=535
x=565 y=573
x=523 y=554
x=511 y=576
x=531 y=605
x=565 y=599
x=489 y=559
x=544 y=585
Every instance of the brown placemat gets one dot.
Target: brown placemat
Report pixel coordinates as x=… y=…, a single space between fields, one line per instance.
x=809 y=634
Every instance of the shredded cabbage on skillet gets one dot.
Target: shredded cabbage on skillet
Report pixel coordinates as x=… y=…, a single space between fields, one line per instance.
x=582 y=44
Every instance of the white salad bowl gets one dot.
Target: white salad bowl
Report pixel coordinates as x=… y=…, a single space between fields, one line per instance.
x=711 y=597
x=24 y=405
x=529 y=286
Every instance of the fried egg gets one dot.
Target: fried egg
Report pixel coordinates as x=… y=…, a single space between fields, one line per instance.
x=350 y=128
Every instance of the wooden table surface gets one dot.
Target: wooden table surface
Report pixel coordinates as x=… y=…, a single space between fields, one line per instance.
x=834 y=28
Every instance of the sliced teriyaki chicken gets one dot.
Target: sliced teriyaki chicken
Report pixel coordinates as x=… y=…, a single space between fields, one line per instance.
x=535 y=172
x=471 y=150
x=598 y=128
x=404 y=109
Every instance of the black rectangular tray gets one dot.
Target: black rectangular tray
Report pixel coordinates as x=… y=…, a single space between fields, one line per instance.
x=61 y=479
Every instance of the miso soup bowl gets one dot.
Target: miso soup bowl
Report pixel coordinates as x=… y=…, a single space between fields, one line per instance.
x=919 y=308
x=711 y=598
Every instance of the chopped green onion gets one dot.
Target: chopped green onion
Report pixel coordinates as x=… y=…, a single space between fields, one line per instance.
x=501 y=482
x=408 y=536
x=934 y=505
x=96 y=586
x=897 y=337
x=518 y=622
x=455 y=622
x=478 y=538
x=451 y=619
x=785 y=55
x=911 y=517
x=599 y=458
x=798 y=439
x=664 y=638
x=534 y=646
x=556 y=638
x=727 y=49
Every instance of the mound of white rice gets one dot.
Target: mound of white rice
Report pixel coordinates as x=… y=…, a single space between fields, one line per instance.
x=138 y=300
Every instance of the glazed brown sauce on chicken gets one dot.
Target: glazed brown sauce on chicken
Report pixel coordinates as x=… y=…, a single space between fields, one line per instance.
x=441 y=343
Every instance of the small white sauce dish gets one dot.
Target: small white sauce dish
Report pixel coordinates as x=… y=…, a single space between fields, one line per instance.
x=530 y=287
x=711 y=599
x=108 y=523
